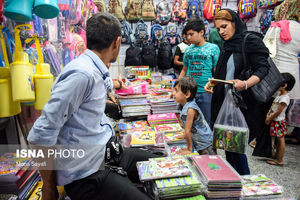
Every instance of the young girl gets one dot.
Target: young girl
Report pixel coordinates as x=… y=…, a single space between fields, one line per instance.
x=277 y=120
x=196 y=130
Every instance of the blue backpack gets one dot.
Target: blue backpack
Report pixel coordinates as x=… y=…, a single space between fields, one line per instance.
x=172 y=35
x=265 y=21
x=141 y=32
x=194 y=8
x=127 y=35
x=157 y=34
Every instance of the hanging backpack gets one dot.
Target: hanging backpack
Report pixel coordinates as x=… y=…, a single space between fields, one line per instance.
x=115 y=8
x=133 y=10
x=164 y=56
x=194 y=8
x=157 y=34
x=100 y=5
x=163 y=12
x=211 y=7
x=149 y=56
x=207 y=29
x=179 y=10
x=133 y=56
x=172 y=35
x=141 y=32
x=247 y=9
x=127 y=34
x=148 y=12
x=265 y=21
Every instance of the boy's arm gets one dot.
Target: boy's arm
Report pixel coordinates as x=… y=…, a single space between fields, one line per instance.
x=183 y=72
x=176 y=61
x=191 y=115
x=280 y=108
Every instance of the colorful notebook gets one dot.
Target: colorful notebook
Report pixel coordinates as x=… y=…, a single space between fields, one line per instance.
x=168 y=128
x=142 y=138
x=171 y=138
x=215 y=169
x=165 y=167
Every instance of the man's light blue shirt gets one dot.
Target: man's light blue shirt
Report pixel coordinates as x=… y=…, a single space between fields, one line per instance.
x=74 y=116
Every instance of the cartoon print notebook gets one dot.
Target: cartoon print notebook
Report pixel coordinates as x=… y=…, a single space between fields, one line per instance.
x=142 y=138
x=165 y=167
x=215 y=169
x=168 y=128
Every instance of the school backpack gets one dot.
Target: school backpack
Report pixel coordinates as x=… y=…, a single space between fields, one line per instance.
x=194 y=8
x=141 y=32
x=127 y=34
x=133 y=56
x=115 y=8
x=265 y=21
x=163 y=12
x=247 y=9
x=172 y=35
x=179 y=10
x=100 y=5
x=207 y=29
x=164 y=56
x=148 y=12
x=211 y=7
x=133 y=10
x=149 y=56
x=157 y=34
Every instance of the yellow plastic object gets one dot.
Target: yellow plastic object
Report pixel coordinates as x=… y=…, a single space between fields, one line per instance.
x=43 y=79
x=21 y=70
x=8 y=107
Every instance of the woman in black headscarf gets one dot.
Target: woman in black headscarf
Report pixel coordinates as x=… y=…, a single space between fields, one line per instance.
x=229 y=67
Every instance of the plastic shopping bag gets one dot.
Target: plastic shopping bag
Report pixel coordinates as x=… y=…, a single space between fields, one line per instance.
x=230 y=129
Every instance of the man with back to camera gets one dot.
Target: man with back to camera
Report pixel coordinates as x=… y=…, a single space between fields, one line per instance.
x=74 y=116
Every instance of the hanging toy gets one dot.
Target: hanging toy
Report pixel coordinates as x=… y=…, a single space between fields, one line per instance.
x=43 y=79
x=8 y=107
x=21 y=70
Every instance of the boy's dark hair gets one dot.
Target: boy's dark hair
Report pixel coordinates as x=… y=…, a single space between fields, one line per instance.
x=101 y=30
x=196 y=24
x=289 y=80
x=187 y=84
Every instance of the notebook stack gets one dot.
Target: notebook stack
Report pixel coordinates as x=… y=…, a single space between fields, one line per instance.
x=260 y=187
x=166 y=118
x=221 y=179
x=170 y=177
x=135 y=107
x=163 y=104
x=17 y=176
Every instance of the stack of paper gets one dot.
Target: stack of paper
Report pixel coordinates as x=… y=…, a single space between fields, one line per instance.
x=260 y=187
x=221 y=179
x=135 y=107
x=164 y=167
x=167 y=118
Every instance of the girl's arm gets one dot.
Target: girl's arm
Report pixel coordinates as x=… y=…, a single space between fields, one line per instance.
x=191 y=116
x=280 y=108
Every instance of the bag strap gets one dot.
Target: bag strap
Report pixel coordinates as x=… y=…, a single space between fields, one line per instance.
x=244 y=52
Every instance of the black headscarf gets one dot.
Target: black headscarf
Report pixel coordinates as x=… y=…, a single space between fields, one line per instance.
x=234 y=44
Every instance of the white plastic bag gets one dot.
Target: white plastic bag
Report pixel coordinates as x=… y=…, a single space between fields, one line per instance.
x=230 y=129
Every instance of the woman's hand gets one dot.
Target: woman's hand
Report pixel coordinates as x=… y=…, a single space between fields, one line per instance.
x=208 y=88
x=239 y=85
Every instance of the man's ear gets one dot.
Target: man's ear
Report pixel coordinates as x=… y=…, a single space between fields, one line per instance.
x=117 y=42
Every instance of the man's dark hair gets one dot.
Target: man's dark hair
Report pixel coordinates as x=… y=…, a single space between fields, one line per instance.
x=289 y=79
x=196 y=24
x=101 y=30
x=187 y=84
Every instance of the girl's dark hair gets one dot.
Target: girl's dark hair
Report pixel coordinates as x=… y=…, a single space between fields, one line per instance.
x=187 y=84
x=289 y=79
x=101 y=30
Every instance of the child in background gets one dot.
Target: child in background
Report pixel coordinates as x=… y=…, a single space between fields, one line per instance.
x=178 y=56
x=277 y=120
x=196 y=130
